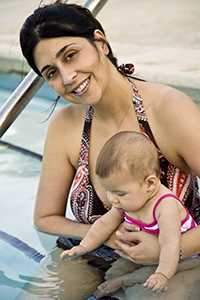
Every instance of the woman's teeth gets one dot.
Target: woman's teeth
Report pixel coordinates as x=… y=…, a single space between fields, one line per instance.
x=81 y=89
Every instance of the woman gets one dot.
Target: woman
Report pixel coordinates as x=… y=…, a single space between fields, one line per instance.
x=67 y=46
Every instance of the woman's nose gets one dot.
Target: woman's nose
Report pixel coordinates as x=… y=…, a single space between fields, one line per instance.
x=68 y=76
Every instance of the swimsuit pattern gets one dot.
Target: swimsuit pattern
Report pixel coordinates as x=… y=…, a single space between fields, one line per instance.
x=83 y=200
x=186 y=224
x=85 y=204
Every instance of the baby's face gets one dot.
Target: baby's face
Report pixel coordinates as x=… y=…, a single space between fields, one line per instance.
x=125 y=192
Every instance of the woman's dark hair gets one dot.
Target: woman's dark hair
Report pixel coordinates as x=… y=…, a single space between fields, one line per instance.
x=58 y=20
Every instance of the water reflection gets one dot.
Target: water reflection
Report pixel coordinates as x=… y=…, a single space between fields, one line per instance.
x=33 y=285
x=61 y=279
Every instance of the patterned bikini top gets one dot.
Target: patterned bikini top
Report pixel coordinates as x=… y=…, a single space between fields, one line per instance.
x=153 y=228
x=83 y=203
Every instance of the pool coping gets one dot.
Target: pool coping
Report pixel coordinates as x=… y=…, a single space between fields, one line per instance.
x=166 y=54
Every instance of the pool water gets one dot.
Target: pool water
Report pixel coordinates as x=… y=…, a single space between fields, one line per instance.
x=192 y=92
x=19 y=179
x=19 y=175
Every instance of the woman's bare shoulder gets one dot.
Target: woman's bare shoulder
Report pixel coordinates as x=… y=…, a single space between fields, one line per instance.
x=70 y=114
x=65 y=130
x=176 y=116
x=165 y=96
x=68 y=118
x=165 y=103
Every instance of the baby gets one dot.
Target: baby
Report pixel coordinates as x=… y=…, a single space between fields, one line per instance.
x=128 y=169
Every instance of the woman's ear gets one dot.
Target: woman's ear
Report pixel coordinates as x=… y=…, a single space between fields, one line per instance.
x=102 y=42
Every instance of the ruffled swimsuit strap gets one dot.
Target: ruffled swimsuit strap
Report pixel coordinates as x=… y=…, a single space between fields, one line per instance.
x=85 y=204
x=85 y=140
x=141 y=115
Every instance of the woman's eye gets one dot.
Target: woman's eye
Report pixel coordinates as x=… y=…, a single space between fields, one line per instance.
x=69 y=56
x=50 y=74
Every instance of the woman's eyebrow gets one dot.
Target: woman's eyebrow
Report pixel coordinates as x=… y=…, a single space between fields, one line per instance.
x=44 y=68
x=58 y=54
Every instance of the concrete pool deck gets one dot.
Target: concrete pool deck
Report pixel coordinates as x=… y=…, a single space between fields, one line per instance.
x=162 y=38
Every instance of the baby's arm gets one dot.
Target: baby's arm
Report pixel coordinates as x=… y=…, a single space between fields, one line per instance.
x=168 y=217
x=98 y=233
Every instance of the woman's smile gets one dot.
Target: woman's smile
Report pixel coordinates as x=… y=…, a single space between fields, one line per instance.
x=81 y=88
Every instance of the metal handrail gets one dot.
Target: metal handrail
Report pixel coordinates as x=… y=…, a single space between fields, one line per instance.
x=19 y=99
x=31 y=84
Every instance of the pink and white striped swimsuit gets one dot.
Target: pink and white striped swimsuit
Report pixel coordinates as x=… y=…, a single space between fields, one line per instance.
x=186 y=224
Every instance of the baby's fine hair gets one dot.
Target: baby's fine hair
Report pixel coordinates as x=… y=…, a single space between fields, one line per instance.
x=131 y=151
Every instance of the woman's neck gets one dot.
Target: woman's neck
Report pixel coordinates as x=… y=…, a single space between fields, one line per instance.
x=116 y=101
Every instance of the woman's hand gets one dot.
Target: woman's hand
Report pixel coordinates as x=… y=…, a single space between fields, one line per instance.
x=138 y=246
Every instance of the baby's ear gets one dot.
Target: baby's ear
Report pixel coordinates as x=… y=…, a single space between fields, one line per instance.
x=151 y=182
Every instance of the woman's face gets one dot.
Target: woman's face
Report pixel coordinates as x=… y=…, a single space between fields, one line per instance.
x=74 y=68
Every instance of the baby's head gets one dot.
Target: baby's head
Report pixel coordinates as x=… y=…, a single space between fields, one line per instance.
x=128 y=151
x=128 y=162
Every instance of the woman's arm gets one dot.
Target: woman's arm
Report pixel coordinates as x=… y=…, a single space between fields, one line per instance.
x=57 y=175
x=177 y=119
x=139 y=246
x=190 y=244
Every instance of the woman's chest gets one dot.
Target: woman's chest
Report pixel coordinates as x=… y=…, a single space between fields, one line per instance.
x=96 y=144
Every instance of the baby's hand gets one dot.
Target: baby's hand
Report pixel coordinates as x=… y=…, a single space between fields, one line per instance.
x=74 y=252
x=157 y=282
